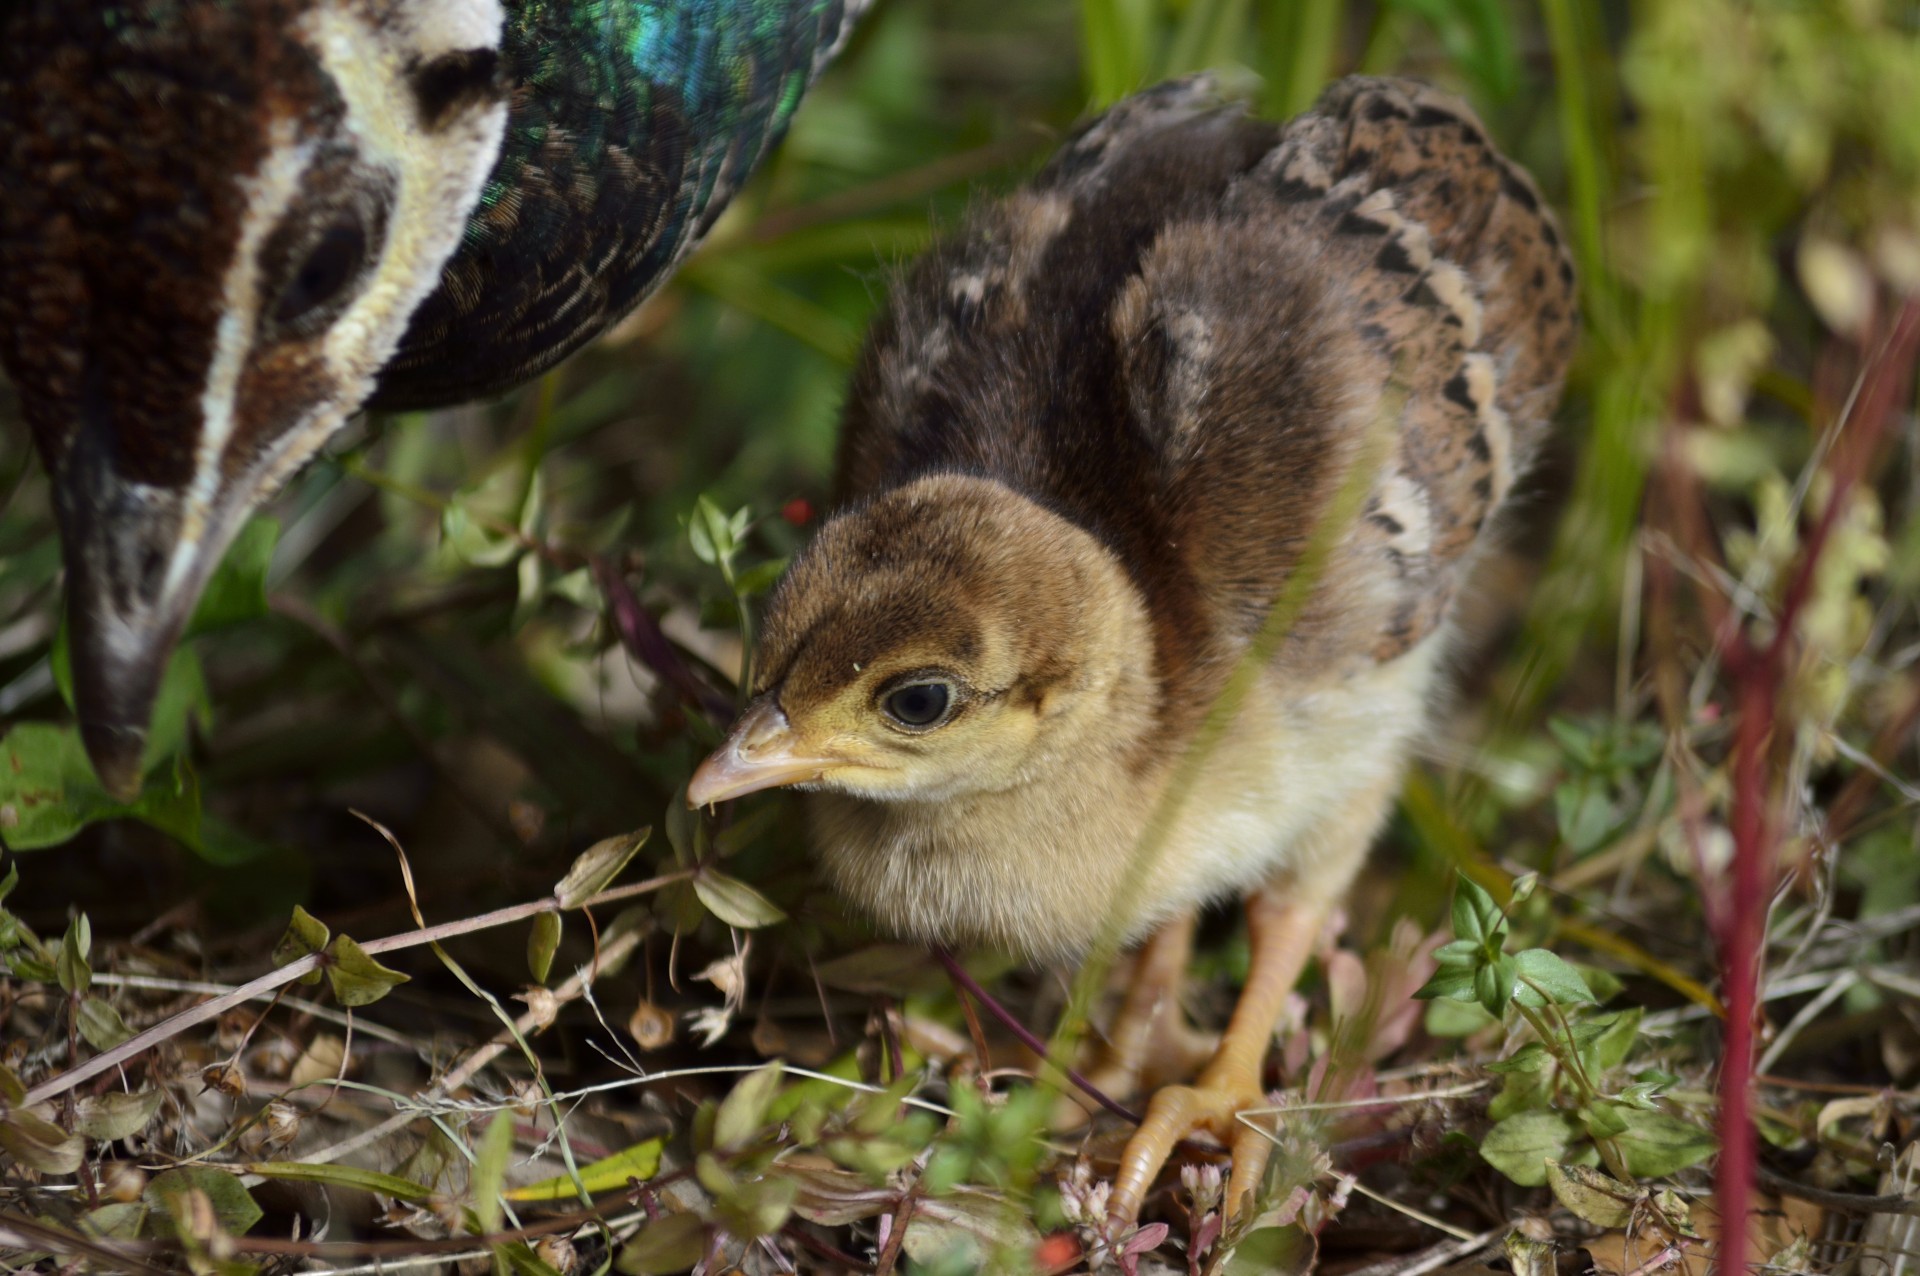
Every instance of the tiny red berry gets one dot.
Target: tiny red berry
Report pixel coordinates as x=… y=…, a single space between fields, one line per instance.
x=798 y=511
x=1057 y=1252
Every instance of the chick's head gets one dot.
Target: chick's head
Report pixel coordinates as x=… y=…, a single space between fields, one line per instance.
x=949 y=637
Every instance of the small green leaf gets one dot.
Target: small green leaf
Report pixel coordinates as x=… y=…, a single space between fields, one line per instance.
x=1581 y=743
x=1611 y=1047
x=1455 y=966
x=11 y=880
x=1521 y=1146
x=233 y=1208
x=48 y=791
x=39 y=1144
x=1270 y=1251
x=1603 y=1119
x=702 y=542
x=682 y=823
x=472 y=526
x=1456 y=1018
x=25 y=965
x=357 y=979
x=1545 y=978
x=238 y=589
x=744 y=1111
x=1641 y=1094
x=70 y=965
x=734 y=902
x=1584 y=811
x=666 y=1245
x=182 y=704
x=758 y=1208
x=305 y=935
x=490 y=1170
x=609 y=1174
x=761 y=577
x=1604 y=985
x=118 y=1221
x=712 y=534
x=542 y=942
x=1493 y=984
x=1451 y=984
x=1527 y=1087
x=115 y=1114
x=347 y=1176
x=597 y=866
x=1532 y=1057
x=712 y=1174
x=101 y=1025
x=60 y=661
x=881 y=1112
x=1475 y=916
x=679 y=908
x=527 y=585
x=577 y=587
x=1655 y=1145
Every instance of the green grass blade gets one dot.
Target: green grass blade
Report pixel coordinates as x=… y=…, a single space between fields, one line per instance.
x=1302 y=43
x=1207 y=36
x=1115 y=36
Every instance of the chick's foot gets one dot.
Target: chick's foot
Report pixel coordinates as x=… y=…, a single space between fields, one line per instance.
x=1149 y=1042
x=1282 y=936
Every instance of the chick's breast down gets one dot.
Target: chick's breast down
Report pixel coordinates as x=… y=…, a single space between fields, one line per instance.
x=1086 y=446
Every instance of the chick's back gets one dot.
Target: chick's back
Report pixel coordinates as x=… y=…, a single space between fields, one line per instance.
x=1179 y=334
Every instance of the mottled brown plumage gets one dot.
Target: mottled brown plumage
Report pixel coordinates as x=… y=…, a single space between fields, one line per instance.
x=1084 y=452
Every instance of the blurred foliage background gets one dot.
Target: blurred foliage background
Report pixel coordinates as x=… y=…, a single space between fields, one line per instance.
x=422 y=631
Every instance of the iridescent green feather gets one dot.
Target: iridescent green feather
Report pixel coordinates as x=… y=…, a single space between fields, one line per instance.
x=632 y=126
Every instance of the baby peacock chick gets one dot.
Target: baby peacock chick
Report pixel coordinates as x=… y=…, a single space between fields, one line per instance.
x=1086 y=450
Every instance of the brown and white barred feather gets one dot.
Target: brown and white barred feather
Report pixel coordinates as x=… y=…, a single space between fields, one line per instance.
x=1179 y=334
x=1435 y=224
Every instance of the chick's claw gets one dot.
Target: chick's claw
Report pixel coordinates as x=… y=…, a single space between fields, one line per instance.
x=1281 y=935
x=1211 y=1106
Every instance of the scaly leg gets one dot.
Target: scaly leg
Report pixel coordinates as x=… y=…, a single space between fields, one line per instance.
x=1150 y=1040
x=1282 y=935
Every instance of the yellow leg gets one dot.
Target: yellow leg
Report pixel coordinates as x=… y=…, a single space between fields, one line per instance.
x=1282 y=935
x=1150 y=1040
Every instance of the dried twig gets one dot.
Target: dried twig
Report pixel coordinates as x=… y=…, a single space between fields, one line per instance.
x=192 y=1017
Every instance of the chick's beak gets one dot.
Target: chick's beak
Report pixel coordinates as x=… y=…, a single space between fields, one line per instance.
x=761 y=752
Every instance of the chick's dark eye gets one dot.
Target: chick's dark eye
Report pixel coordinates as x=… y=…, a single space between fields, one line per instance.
x=919 y=704
x=330 y=265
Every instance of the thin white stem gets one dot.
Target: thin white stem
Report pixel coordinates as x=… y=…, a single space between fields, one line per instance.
x=208 y=1010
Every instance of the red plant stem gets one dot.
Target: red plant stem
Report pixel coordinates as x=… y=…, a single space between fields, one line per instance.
x=1758 y=675
x=643 y=639
x=1742 y=937
x=969 y=986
